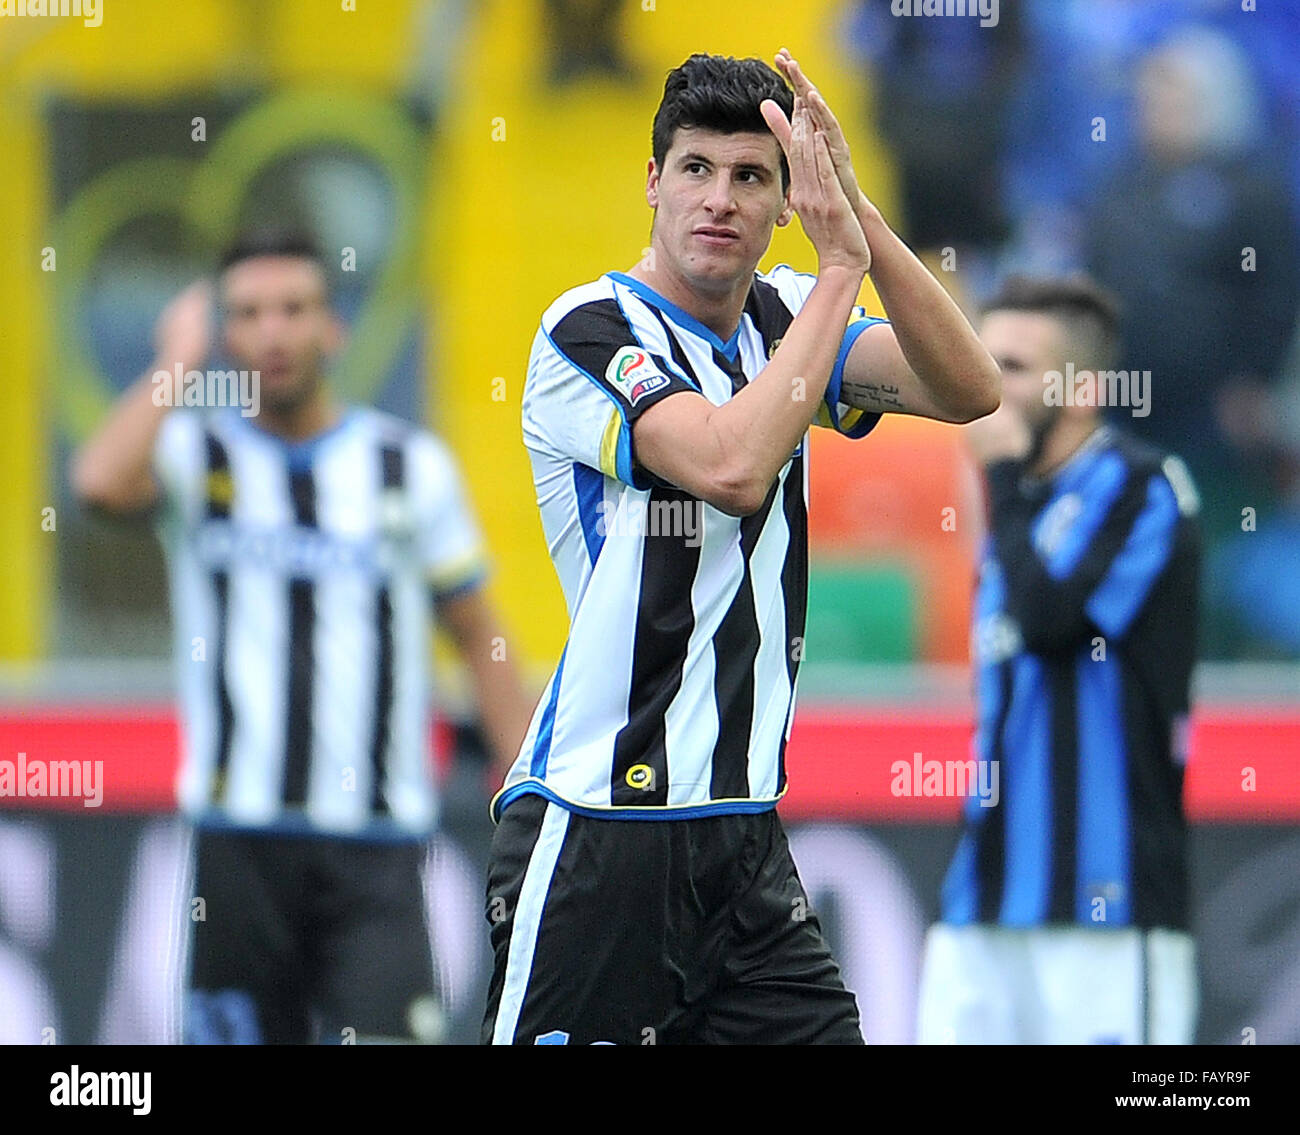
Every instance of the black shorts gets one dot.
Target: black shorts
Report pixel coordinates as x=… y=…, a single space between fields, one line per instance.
x=303 y=939
x=693 y=931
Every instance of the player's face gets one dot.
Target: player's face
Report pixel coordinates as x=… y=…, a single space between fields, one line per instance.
x=716 y=200
x=1026 y=345
x=277 y=322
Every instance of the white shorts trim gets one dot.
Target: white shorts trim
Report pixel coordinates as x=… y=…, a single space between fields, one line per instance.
x=528 y=920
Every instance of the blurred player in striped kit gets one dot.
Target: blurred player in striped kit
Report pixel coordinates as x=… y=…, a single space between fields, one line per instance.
x=1065 y=910
x=307 y=545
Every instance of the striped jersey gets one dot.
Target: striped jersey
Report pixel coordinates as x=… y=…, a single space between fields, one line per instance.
x=1084 y=640
x=675 y=690
x=302 y=579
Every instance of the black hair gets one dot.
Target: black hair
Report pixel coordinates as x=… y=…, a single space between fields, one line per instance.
x=1089 y=313
x=717 y=92
x=272 y=242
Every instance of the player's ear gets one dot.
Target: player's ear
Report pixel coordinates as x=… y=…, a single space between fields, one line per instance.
x=786 y=214
x=652 y=184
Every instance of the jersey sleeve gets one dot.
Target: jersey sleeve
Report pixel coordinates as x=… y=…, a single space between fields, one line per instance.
x=1144 y=555
x=589 y=379
x=447 y=535
x=794 y=288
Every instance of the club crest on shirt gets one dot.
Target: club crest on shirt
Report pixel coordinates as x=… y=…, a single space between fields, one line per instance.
x=633 y=372
x=1056 y=522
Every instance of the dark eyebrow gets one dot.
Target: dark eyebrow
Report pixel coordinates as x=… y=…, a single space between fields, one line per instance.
x=748 y=167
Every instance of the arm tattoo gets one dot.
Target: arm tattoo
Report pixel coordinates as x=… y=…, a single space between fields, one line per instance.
x=870 y=395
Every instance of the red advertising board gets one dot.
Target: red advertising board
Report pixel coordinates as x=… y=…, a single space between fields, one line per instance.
x=1244 y=763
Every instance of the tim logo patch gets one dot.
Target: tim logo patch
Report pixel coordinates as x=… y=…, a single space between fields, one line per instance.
x=633 y=372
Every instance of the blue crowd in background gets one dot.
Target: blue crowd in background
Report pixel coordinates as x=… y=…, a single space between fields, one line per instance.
x=1153 y=144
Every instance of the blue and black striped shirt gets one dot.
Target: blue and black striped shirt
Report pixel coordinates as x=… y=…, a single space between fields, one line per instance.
x=1084 y=639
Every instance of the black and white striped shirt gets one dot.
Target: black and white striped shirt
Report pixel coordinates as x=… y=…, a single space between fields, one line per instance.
x=675 y=692
x=302 y=578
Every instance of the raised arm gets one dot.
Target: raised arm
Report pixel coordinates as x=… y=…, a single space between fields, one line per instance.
x=113 y=469
x=928 y=360
x=729 y=455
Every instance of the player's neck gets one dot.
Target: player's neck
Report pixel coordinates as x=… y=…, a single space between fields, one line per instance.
x=1063 y=443
x=317 y=414
x=720 y=312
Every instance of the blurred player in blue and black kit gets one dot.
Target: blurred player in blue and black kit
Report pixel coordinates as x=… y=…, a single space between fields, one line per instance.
x=308 y=544
x=641 y=889
x=1065 y=910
